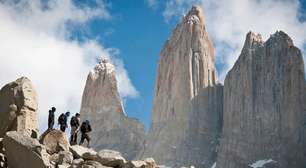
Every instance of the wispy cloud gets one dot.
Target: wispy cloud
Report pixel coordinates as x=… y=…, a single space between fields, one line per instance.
x=36 y=42
x=228 y=22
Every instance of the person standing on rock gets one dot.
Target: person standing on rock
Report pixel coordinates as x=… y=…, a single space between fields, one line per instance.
x=85 y=129
x=51 y=118
x=75 y=124
x=62 y=121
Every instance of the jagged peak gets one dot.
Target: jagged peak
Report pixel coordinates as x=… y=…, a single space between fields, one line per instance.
x=252 y=39
x=255 y=39
x=195 y=16
x=104 y=66
x=281 y=36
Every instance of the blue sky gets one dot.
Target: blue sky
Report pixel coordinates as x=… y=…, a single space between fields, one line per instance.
x=139 y=32
x=56 y=43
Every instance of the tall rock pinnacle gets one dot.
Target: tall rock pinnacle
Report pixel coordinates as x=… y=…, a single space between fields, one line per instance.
x=265 y=105
x=101 y=105
x=187 y=113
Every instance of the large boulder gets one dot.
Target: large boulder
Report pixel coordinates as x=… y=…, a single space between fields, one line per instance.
x=23 y=151
x=65 y=157
x=78 y=151
x=18 y=108
x=110 y=158
x=55 y=141
x=147 y=163
x=136 y=164
x=92 y=164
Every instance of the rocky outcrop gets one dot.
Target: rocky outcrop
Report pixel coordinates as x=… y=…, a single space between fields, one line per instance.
x=22 y=151
x=55 y=141
x=102 y=106
x=264 y=105
x=187 y=110
x=18 y=108
x=111 y=158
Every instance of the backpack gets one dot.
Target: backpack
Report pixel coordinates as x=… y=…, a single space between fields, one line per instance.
x=74 y=121
x=85 y=127
x=62 y=119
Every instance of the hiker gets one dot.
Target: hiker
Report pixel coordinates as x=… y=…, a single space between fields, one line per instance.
x=62 y=121
x=75 y=124
x=51 y=118
x=85 y=129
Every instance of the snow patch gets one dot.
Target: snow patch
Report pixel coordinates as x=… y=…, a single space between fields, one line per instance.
x=261 y=163
x=214 y=165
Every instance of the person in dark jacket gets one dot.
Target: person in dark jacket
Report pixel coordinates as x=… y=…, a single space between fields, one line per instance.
x=85 y=129
x=62 y=121
x=51 y=118
x=75 y=125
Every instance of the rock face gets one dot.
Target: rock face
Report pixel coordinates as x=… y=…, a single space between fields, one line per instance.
x=18 y=108
x=23 y=151
x=187 y=110
x=264 y=105
x=101 y=105
x=55 y=141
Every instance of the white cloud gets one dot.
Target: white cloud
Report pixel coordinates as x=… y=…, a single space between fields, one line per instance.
x=229 y=21
x=34 y=40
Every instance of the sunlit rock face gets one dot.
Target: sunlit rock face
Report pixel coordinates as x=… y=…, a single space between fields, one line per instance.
x=264 y=105
x=102 y=106
x=18 y=108
x=187 y=109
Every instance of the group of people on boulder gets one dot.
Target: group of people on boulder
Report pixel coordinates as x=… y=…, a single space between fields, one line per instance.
x=75 y=125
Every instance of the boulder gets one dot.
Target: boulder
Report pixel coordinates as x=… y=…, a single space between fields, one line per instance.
x=136 y=164
x=92 y=164
x=147 y=163
x=90 y=155
x=65 y=157
x=24 y=151
x=18 y=108
x=110 y=158
x=78 y=151
x=55 y=141
x=54 y=159
x=3 y=161
x=150 y=162
x=77 y=162
x=63 y=166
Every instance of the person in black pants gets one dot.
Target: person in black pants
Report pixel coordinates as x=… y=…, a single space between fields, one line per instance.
x=51 y=118
x=75 y=125
x=62 y=121
x=85 y=129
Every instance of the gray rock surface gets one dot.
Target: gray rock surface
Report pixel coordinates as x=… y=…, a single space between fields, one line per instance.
x=18 y=108
x=187 y=110
x=110 y=158
x=55 y=141
x=101 y=105
x=24 y=151
x=264 y=105
x=78 y=151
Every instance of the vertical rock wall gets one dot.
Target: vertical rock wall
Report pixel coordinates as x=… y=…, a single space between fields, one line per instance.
x=264 y=105
x=186 y=117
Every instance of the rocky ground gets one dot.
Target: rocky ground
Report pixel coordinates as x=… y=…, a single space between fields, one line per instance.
x=52 y=150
